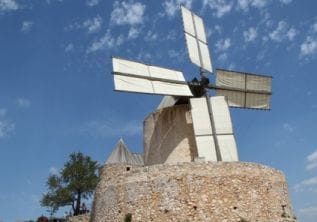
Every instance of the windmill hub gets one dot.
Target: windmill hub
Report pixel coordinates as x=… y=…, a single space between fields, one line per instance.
x=198 y=88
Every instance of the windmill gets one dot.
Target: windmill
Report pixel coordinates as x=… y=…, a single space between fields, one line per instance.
x=211 y=117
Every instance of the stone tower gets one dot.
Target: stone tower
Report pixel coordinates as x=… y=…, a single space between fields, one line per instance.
x=175 y=185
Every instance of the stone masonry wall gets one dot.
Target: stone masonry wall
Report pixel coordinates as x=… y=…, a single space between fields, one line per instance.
x=80 y=218
x=169 y=136
x=196 y=191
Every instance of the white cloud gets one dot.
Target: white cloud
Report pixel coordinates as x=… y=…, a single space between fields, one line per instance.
x=173 y=54
x=49 y=1
x=3 y=112
x=286 y=1
x=291 y=34
x=133 y=32
x=92 y=3
x=250 y=34
x=171 y=35
x=150 y=36
x=106 y=42
x=73 y=26
x=283 y=32
x=6 y=128
x=246 y=4
x=311 y=165
x=176 y=56
x=221 y=7
x=8 y=5
x=288 y=127
x=311 y=161
x=172 y=6
x=308 y=214
x=69 y=47
x=232 y=66
x=314 y=27
x=259 y=3
x=23 y=102
x=29 y=182
x=144 y=56
x=53 y=170
x=306 y=184
x=130 y=13
x=223 y=44
x=218 y=29
x=312 y=157
x=26 y=26
x=309 y=46
x=111 y=128
x=93 y=25
x=223 y=57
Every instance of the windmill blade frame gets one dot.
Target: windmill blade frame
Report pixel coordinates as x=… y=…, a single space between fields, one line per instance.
x=219 y=130
x=131 y=76
x=244 y=90
x=196 y=40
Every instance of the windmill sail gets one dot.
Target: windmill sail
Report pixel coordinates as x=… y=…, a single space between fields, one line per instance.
x=137 y=77
x=196 y=40
x=223 y=126
x=211 y=122
x=244 y=90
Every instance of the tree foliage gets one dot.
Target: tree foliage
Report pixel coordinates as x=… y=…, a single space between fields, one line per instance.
x=76 y=181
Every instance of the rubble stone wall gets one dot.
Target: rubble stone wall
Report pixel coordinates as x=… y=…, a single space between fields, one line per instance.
x=196 y=191
x=80 y=218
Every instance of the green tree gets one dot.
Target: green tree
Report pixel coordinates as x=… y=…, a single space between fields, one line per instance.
x=76 y=181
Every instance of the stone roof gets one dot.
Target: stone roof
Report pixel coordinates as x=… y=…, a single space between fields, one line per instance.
x=121 y=154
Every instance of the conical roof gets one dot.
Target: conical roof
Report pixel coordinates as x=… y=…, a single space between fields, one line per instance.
x=167 y=101
x=121 y=154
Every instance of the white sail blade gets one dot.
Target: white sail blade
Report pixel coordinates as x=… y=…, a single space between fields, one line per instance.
x=205 y=57
x=261 y=83
x=203 y=129
x=230 y=79
x=228 y=148
x=235 y=99
x=206 y=147
x=200 y=115
x=129 y=67
x=132 y=84
x=221 y=115
x=196 y=40
x=193 y=50
x=188 y=21
x=258 y=101
x=244 y=90
x=200 y=28
x=133 y=76
x=224 y=129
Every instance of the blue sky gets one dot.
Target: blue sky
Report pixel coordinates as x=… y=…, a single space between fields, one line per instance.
x=56 y=87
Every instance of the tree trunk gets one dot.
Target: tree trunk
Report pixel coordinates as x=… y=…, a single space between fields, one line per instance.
x=78 y=202
x=73 y=206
